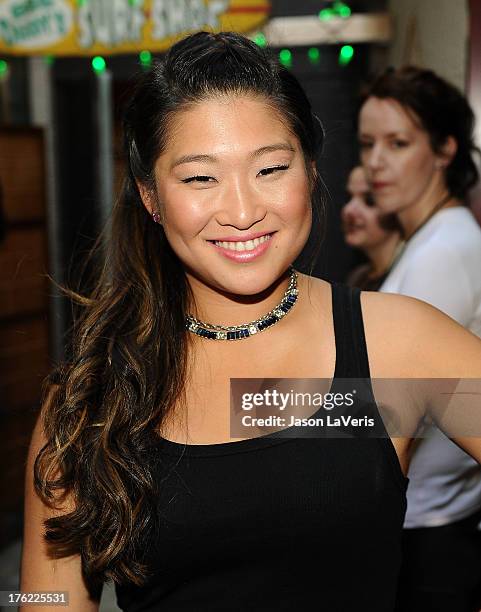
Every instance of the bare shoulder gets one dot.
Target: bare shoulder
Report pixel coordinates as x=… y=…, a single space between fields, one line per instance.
x=407 y=337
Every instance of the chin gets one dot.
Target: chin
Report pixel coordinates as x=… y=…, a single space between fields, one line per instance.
x=387 y=205
x=353 y=241
x=248 y=280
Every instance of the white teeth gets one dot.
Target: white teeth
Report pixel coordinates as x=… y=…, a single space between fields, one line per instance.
x=249 y=245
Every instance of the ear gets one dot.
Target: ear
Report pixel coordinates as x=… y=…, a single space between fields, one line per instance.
x=447 y=152
x=150 y=201
x=147 y=197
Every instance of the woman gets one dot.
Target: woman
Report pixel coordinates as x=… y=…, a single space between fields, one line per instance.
x=221 y=147
x=378 y=236
x=416 y=137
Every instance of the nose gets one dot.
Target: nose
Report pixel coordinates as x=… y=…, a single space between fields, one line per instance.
x=346 y=212
x=240 y=205
x=373 y=158
x=351 y=208
x=349 y=212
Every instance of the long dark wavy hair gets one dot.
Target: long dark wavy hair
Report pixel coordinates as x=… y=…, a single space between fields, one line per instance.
x=103 y=407
x=442 y=110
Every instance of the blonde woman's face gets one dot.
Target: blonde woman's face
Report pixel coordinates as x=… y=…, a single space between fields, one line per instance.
x=233 y=193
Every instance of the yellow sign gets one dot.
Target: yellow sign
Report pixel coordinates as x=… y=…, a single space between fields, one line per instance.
x=106 y=27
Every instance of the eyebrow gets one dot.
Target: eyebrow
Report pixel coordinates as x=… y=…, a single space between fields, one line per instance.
x=186 y=159
x=401 y=133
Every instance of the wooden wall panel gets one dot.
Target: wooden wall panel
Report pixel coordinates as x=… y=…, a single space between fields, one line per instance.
x=24 y=330
x=22 y=174
x=23 y=284
x=23 y=361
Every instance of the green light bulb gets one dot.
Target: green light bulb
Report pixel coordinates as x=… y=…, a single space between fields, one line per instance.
x=345 y=11
x=145 y=58
x=342 y=9
x=98 y=64
x=346 y=54
x=326 y=14
x=314 y=55
x=285 y=57
x=3 y=68
x=260 y=39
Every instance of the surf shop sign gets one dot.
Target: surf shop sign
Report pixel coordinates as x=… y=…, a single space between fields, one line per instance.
x=88 y=27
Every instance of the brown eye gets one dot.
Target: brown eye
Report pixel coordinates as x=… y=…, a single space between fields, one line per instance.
x=272 y=170
x=198 y=178
x=369 y=199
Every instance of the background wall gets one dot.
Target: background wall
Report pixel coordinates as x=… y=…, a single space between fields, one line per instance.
x=431 y=33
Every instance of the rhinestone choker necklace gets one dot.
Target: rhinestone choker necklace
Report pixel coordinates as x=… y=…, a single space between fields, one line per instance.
x=237 y=332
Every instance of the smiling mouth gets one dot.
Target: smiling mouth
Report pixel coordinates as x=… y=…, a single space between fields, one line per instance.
x=239 y=245
x=350 y=227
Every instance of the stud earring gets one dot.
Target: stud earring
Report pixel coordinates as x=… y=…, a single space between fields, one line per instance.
x=156 y=217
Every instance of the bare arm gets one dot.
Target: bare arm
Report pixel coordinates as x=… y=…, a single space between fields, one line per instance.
x=39 y=572
x=455 y=353
x=411 y=340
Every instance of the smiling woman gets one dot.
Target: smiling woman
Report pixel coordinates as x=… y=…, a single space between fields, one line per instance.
x=365 y=228
x=132 y=468
x=209 y=202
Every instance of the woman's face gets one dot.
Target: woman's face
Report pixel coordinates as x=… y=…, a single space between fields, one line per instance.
x=233 y=193
x=360 y=218
x=396 y=154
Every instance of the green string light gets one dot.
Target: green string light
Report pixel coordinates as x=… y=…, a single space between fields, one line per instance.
x=345 y=55
x=314 y=55
x=338 y=9
x=49 y=60
x=145 y=59
x=326 y=14
x=342 y=9
x=260 y=39
x=285 y=57
x=98 y=64
x=3 y=68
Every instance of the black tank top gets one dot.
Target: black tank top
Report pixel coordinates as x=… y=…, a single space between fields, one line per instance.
x=279 y=523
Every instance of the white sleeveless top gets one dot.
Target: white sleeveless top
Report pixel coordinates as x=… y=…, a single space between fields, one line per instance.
x=442 y=266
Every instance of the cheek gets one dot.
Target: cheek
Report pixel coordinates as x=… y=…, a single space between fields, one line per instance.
x=413 y=165
x=373 y=229
x=185 y=213
x=294 y=198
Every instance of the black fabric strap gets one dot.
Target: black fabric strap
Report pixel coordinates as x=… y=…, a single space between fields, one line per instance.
x=351 y=351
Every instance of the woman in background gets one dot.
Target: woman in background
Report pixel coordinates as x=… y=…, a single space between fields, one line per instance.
x=416 y=138
x=377 y=236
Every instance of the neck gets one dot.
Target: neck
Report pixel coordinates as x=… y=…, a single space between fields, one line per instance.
x=381 y=254
x=415 y=215
x=214 y=306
